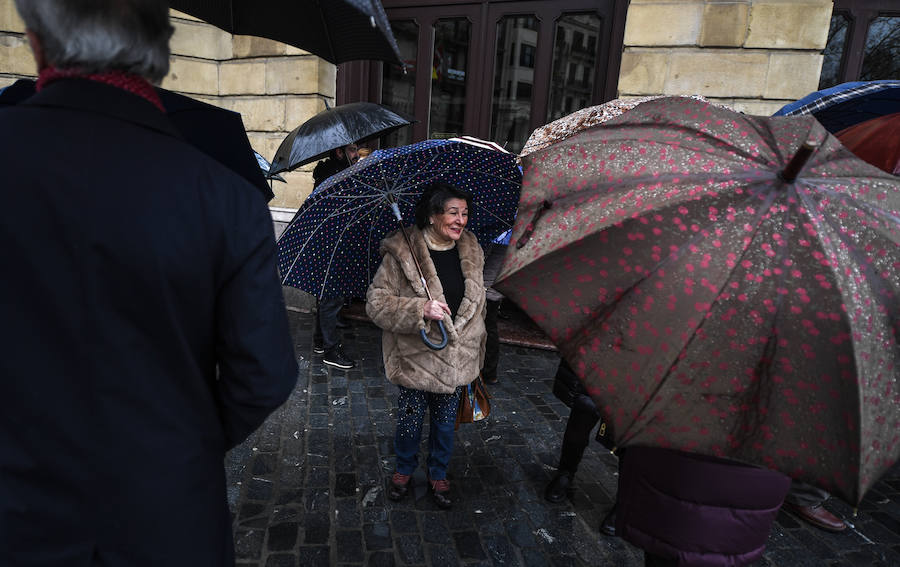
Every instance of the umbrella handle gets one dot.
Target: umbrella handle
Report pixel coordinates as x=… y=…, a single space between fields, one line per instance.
x=432 y=345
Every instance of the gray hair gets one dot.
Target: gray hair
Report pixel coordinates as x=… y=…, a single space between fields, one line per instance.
x=102 y=35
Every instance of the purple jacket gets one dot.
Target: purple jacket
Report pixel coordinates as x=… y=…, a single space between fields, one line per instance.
x=703 y=510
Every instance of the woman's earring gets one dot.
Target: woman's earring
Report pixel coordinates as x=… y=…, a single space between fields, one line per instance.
x=430 y=221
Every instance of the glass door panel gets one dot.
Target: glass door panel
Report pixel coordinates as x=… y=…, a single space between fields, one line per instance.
x=574 y=61
x=448 y=77
x=882 y=58
x=398 y=90
x=514 y=66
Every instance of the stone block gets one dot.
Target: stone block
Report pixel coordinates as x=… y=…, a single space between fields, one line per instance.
x=789 y=25
x=327 y=79
x=252 y=46
x=266 y=143
x=724 y=24
x=664 y=23
x=299 y=109
x=196 y=39
x=176 y=14
x=758 y=107
x=259 y=113
x=643 y=71
x=9 y=17
x=292 y=75
x=793 y=75
x=242 y=77
x=192 y=76
x=740 y=74
x=15 y=55
x=292 y=194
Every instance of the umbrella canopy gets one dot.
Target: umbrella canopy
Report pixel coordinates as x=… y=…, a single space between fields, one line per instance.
x=333 y=128
x=265 y=166
x=217 y=132
x=335 y=30
x=582 y=119
x=877 y=141
x=844 y=105
x=330 y=249
x=713 y=301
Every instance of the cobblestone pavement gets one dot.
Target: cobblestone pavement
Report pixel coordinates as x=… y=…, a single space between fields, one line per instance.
x=308 y=488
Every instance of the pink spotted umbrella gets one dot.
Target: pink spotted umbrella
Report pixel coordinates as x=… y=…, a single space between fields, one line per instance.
x=719 y=288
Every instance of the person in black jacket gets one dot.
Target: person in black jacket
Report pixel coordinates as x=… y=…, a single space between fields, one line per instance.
x=146 y=328
x=583 y=417
x=326 y=339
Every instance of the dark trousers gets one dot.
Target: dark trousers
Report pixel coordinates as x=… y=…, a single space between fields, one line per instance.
x=326 y=322
x=582 y=420
x=492 y=344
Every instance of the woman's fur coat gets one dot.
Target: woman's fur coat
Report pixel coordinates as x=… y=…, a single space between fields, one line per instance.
x=395 y=302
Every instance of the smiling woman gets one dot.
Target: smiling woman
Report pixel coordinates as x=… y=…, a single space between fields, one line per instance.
x=451 y=263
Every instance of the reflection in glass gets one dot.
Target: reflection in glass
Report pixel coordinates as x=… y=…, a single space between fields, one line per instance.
x=398 y=91
x=513 y=80
x=448 y=77
x=882 y=58
x=574 y=60
x=834 y=51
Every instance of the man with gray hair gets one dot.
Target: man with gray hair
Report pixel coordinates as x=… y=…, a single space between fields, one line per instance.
x=147 y=333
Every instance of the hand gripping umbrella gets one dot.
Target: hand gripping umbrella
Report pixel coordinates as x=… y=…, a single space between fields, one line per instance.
x=334 y=128
x=330 y=248
x=716 y=296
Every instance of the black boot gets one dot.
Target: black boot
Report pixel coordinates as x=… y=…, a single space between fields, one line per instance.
x=560 y=487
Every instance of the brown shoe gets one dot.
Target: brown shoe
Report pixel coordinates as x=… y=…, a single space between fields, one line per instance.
x=399 y=486
x=440 y=490
x=818 y=516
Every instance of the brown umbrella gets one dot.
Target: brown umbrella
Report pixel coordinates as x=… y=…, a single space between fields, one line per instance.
x=582 y=119
x=877 y=141
x=712 y=299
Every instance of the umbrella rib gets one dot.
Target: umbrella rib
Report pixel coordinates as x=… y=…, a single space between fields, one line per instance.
x=334 y=250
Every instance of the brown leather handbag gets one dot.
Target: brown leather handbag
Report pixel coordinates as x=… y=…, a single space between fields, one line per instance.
x=474 y=403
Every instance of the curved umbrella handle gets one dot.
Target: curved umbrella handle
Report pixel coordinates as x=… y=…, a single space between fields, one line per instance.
x=430 y=344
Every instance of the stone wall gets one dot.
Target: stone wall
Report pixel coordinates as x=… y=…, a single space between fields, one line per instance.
x=753 y=55
x=274 y=86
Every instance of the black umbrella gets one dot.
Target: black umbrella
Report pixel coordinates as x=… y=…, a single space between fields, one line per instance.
x=335 y=30
x=217 y=132
x=333 y=128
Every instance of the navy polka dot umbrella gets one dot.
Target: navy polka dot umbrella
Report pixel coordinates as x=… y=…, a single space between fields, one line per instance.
x=330 y=249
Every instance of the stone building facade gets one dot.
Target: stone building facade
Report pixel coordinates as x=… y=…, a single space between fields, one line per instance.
x=754 y=55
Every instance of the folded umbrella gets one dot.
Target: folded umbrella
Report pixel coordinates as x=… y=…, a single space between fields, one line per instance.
x=876 y=141
x=335 y=30
x=844 y=105
x=334 y=128
x=217 y=132
x=715 y=294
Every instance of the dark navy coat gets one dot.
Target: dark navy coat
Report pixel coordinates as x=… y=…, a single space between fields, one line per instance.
x=144 y=333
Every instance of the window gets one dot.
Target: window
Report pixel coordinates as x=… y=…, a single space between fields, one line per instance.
x=863 y=42
x=526 y=56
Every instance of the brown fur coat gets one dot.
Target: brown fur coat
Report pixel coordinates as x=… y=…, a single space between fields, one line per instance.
x=395 y=302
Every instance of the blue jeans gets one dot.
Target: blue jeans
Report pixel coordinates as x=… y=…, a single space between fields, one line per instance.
x=411 y=405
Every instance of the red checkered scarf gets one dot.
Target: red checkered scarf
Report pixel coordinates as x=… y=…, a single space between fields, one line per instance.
x=130 y=82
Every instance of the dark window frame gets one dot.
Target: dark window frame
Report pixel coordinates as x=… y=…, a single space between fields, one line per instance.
x=361 y=80
x=860 y=14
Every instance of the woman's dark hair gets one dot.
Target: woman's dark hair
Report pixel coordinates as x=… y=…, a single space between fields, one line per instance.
x=433 y=198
